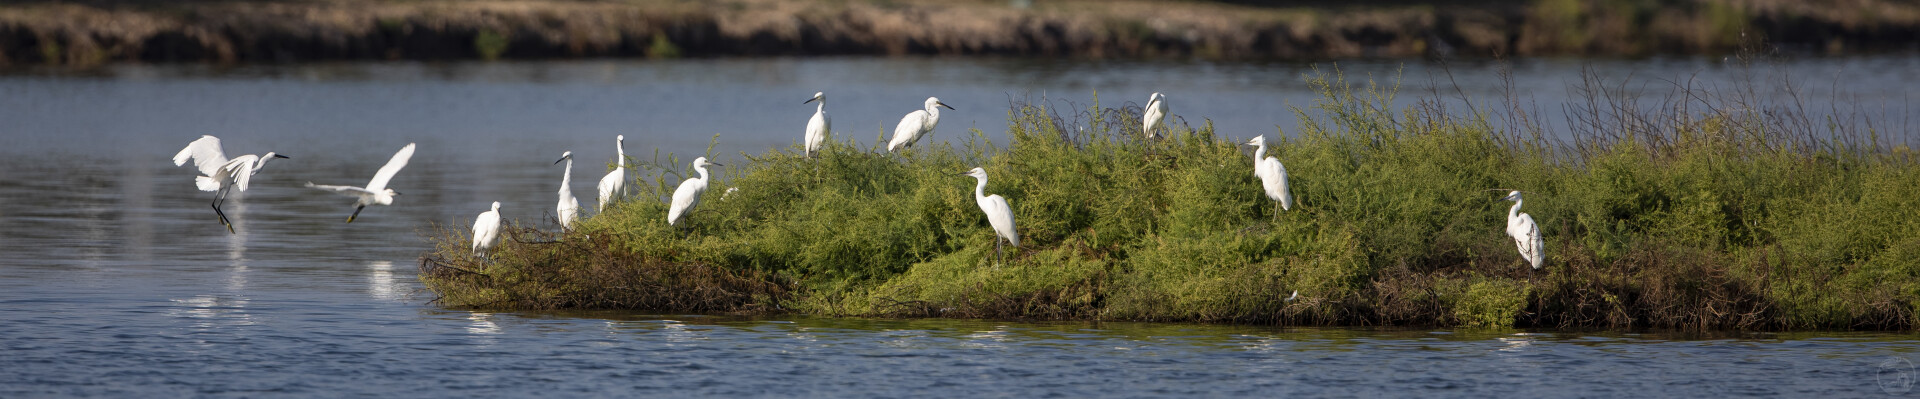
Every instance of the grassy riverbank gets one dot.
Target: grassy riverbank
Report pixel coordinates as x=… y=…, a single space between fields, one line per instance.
x=1733 y=212
x=84 y=33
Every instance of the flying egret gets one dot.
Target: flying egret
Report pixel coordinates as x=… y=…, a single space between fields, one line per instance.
x=222 y=175
x=1526 y=234
x=819 y=126
x=999 y=214
x=376 y=191
x=569 y=207
x=486 y=230
x=1154 y=114
x=917 y=125
x=688 y=195
x=1294 y=297
x=614 y=185
x=1273 y=175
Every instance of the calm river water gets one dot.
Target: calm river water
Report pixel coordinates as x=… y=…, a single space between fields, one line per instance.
x=116 y=279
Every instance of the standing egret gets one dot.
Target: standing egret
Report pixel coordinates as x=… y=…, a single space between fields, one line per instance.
x=614 y=185
x=999 y=214
x=1273 y=175
x=1154 y=114
x=916 y=125
x=819 y=126
x=486 y=230
x=1526 y=234
x=569 y=207
x=376 y=191
x=688 y=195
x=222 y=175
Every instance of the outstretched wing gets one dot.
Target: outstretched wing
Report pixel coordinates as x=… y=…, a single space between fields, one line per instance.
x=242 y=170
x=399 y=160
x=349 y=191
x=1526 y=237
x=1001 y=217
x=205 y=153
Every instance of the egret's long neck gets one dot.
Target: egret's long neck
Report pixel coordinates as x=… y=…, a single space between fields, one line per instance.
x=820 y=108
x=1260 y=152
x=566 y=179
x=621 y=147
x=1514 y=211
x=980 y=190
x=703 y=172
x=933 y=114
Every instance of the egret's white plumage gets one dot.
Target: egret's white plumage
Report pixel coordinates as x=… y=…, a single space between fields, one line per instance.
x=614 y=185
x=486 y=230
x=219 y=173
x=999 y=213
x=376 y=191
x=569 y=207
x=1526 y=234
x=917 y=125
x=1294 y=297
x=687 y=195
x=1273 y=175
x=819 y=126
x=1154 y=114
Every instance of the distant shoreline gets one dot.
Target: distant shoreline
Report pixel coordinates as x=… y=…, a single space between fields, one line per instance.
x=91 y=33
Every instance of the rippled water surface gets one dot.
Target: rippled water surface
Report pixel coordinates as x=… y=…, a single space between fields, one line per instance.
x=116 y=279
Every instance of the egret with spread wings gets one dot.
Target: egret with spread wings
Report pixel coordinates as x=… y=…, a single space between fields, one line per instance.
x=376 y=191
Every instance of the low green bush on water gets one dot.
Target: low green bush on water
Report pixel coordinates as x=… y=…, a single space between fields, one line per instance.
x=1728 y=218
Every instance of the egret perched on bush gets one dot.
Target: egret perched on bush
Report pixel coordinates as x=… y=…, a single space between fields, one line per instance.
x=916 y=125
x=376 y=191
x=819 y=126
x=569 y=207
x=1526 y=234
x=688 y=195
x=1153 y=114
x=486 y=230
x=1273 y=175
x=614 y=185
x=999 y=214
x=222 y=175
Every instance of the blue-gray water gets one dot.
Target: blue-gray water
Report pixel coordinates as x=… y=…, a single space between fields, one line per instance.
x=116 y=280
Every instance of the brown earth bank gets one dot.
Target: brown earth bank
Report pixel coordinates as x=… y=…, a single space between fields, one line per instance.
x=95 y=32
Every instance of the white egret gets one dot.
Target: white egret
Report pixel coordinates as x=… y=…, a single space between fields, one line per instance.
x=688 y=195
x=999 y=214
x=376 y=191
x=222 y=175
x=819 y=126
x=569 y=207
x=1526 y=234
x=1294 y=297
x=1273 y=175
x=1153 y=114
x=916 y=125
x=614 y=185
x=486 y=230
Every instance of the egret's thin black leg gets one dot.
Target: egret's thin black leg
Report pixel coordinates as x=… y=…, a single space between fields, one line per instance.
x=356 y=213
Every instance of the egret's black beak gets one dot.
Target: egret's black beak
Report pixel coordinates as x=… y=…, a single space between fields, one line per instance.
x=717 y=164
x=945 y=105
x=557 y=162
x=810 y=100
x=396 y=193
x=282 y=156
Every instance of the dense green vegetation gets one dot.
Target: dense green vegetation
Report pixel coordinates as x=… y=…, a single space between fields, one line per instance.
x=1722 y=216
